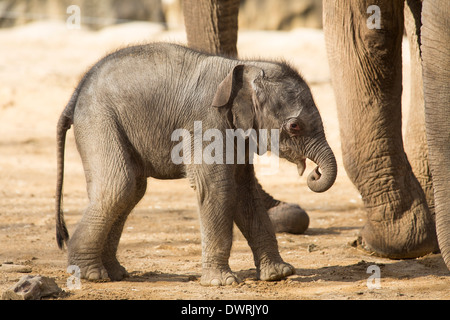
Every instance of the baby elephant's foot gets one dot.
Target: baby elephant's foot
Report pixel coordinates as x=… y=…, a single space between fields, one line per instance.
x=218 y=277
x=90 y=266
x=92 y=272
x=273 y=271
x=115 y=271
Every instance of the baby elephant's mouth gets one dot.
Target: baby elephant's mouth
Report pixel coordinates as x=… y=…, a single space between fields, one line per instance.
x=301 y=166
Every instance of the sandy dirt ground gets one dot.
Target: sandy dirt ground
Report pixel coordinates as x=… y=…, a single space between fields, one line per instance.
x=40 y=65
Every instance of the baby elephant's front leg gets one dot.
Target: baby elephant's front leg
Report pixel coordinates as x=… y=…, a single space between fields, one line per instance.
x=252 y=219
x=217 y=204
x=217 y=234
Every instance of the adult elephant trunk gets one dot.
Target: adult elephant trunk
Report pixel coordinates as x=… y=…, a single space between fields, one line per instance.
x=322 y=155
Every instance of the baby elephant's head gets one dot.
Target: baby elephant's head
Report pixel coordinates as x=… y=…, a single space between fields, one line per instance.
x=274 y=96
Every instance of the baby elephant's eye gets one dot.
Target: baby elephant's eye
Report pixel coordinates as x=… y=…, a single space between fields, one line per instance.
x=293 y=127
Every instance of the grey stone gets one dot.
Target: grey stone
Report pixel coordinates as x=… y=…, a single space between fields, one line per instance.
x=32 y=288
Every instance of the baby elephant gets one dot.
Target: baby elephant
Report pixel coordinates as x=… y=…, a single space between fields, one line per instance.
x=126 y=112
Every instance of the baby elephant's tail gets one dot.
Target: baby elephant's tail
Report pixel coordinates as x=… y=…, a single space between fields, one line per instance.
x=64 y=123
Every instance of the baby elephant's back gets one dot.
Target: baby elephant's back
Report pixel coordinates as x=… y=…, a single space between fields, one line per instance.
x=146 y=76
x=140 y=95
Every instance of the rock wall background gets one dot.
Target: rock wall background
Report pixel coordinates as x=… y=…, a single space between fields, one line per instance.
x=96 y=14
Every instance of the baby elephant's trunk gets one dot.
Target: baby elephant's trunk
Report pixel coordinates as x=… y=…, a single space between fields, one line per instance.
x=322 y=155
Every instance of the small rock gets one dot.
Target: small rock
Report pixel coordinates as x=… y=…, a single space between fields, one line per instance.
x=15 y=268
x=32 y=288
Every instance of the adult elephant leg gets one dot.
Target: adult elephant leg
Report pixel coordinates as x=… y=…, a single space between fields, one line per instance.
x=436 y=83
x=415 y=140
x=212 y=25
x=366 y=70
x=285 y=217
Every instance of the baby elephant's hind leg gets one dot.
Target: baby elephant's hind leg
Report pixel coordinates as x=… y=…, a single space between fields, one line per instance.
x=115 y=271
x=113 y=192
x=94 y=243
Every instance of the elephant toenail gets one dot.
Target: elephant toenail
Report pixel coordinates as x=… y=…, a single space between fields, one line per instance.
x=216 y=282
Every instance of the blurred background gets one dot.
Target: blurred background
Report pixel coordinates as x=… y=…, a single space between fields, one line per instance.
x=97 y=14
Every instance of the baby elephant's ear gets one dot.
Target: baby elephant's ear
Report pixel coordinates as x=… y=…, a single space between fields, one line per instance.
x=234 y=81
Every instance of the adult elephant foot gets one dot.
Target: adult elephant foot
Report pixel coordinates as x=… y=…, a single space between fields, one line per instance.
x=400 y=225
x=285 y=217
x=288 y=217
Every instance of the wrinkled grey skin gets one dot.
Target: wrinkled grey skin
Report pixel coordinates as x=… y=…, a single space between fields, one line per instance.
x=124 y=111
